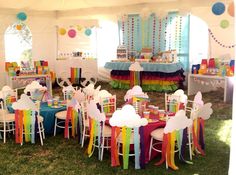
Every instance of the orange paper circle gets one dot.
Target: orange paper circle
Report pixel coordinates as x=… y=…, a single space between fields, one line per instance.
x=231 y=9
x=18 y=27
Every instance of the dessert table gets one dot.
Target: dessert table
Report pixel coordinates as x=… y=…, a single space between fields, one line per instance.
x=154 y=77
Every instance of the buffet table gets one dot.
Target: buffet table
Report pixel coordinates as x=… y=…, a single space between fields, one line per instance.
x=155 y=77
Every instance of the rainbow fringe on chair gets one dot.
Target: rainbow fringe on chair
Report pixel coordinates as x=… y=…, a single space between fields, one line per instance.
x=135 y=78
x=168 y=148
x=25 y=121
x=75 y=74
x=95 y=132
x=198 y=136
x=71 y=117
x=126 y=134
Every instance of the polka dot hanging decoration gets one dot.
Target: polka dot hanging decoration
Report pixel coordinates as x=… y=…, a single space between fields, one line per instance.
x=218 y=8
x=21 y=16
x=71 y=33
x=231 y=9
x=88 y=32
x=219 y=42
x=62 y=31
x=224 y=24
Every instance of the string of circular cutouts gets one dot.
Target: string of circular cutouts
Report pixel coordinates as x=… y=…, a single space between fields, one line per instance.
x=218 y=42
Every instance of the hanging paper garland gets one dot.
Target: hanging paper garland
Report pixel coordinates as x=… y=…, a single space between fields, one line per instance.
x=218 y=8
x=231 y=9
x=62 y=31
x=71 y=33
x=218 y=42
x=22 y=16
x=159 y=36
x=224 y=24
x=88 y=32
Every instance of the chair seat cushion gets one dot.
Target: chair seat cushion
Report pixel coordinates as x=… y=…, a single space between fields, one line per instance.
x=157 y=134
x=61 y=115
x=9 y=117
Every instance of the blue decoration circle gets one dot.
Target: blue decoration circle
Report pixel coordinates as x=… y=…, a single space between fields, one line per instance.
x=22 y=16
x=88 y=32
x=218 y=8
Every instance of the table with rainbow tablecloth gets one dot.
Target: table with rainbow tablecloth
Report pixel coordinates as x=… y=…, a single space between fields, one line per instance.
x=154 y=77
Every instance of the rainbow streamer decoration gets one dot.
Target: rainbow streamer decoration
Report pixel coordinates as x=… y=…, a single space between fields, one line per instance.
x=198 y=136
x=25 y=120
x=71 y=117
x=75 y=75
x=126 y=135
x=168 y=148
x=135 y=78
x=95 y=134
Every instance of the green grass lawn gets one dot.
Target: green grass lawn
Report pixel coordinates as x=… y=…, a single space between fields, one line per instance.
x=62 y=156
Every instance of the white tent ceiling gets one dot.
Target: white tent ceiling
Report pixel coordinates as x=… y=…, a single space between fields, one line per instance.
x=62 y=5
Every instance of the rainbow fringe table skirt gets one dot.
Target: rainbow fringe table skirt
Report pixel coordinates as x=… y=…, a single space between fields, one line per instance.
x=149 y=81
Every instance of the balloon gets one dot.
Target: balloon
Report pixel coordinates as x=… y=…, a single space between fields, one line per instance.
x=72 y=33
x=218 y=8
x=88 y=32
x=22 y=16
x=18 y=27
x=224 y=24
x=62 y=31
x=231 y=9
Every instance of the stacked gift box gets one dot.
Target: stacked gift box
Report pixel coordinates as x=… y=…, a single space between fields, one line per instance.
x=11 y=68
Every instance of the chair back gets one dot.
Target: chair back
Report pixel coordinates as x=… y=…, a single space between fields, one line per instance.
x=71 y=117
x=35 y=90
x=108 y=105
x=96 y=124
x=26 y=119
x=2 y=111
x=8 y=96
x=68 y=92
x=175 y=131
x=125 y=122
x=26 y=122
x=172 y=102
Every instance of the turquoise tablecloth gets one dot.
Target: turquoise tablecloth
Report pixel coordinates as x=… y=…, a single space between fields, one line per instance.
x=48 y=115
x=149 y=67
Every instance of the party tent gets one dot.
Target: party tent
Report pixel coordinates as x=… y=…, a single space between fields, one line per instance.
x=188 y=44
